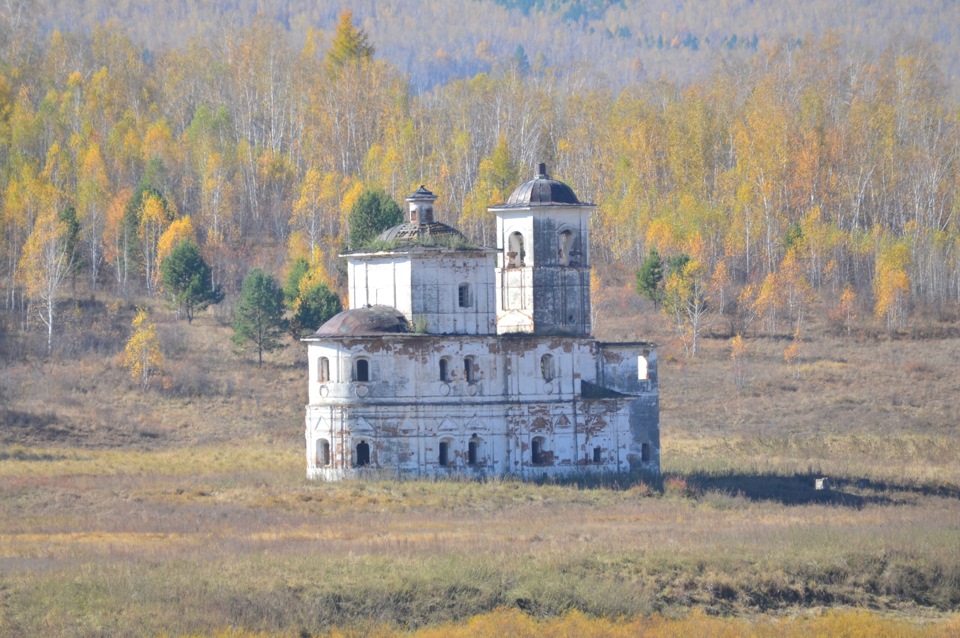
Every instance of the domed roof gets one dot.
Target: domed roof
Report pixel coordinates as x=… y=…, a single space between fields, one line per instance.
x=542 y=191
x=371 y=320
x=422 y=234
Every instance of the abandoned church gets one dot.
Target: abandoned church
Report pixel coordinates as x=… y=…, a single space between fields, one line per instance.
x=461 y=360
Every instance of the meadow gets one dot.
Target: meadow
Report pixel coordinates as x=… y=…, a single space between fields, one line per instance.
x=183 y=509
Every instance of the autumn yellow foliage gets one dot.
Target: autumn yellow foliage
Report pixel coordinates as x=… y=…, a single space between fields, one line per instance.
x=142 y=355
x=891 y=281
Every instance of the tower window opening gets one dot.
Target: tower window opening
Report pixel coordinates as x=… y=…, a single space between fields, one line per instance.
x=565 y=248
x=642 y=373
x=645 y=452
x=445 y=369
x=323 y=373
x=516 y=254
x=469 y=369
x=597 y=458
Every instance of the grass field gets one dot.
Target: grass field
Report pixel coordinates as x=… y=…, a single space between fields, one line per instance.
x=183 y=510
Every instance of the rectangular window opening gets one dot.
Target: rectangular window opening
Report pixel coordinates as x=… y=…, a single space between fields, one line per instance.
x=464 y=298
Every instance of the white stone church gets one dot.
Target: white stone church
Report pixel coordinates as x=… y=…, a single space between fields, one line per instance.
x=458 y=360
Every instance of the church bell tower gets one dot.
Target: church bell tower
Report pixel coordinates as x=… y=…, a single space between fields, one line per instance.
x=543 y=262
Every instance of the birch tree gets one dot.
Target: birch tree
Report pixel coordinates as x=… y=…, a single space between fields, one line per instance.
x=45 y=264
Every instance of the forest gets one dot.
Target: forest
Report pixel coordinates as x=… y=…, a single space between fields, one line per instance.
x=801 y=174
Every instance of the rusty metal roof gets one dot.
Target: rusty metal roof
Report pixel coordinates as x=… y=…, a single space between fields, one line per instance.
x=370 y=320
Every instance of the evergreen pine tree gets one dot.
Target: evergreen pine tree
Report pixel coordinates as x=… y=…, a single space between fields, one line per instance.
x=649 y=278
x=291 y=286
x=349 y=44
x=373 y=213
x=312 y=308
x=186 y=277
x=258 y=318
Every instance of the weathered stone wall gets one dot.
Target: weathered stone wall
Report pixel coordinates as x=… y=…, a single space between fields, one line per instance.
x=525 y=392
x=407 y=442
x=425 y=287
x=381 y=280
x=436 y=284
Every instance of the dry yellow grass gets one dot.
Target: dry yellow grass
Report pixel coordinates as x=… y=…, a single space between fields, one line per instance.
x=511 y=622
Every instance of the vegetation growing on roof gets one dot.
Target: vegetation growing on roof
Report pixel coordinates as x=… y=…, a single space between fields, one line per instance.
x=451 y=241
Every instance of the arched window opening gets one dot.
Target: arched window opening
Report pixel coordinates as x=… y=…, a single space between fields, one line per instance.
x=363 y=370
x=444 y=455
x=565 y=247
x=363 y=454
x=323 y=371
x=546 y=367
x=464 y=296
x=323 y=453
x=597 y=458
x=537 y=450
x=445 y=369
x=516 y=254
x=469 y=369
x=473 y=450
x=645 y=452
x=642 y=368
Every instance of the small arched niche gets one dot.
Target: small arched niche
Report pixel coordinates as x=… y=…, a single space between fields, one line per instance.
x=547 y=369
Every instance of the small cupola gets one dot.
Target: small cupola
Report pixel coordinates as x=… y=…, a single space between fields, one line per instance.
x=420 y=206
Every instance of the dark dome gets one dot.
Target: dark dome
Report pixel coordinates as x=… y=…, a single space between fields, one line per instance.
x=542 y=191
x=427 y=234
x=370 y=320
